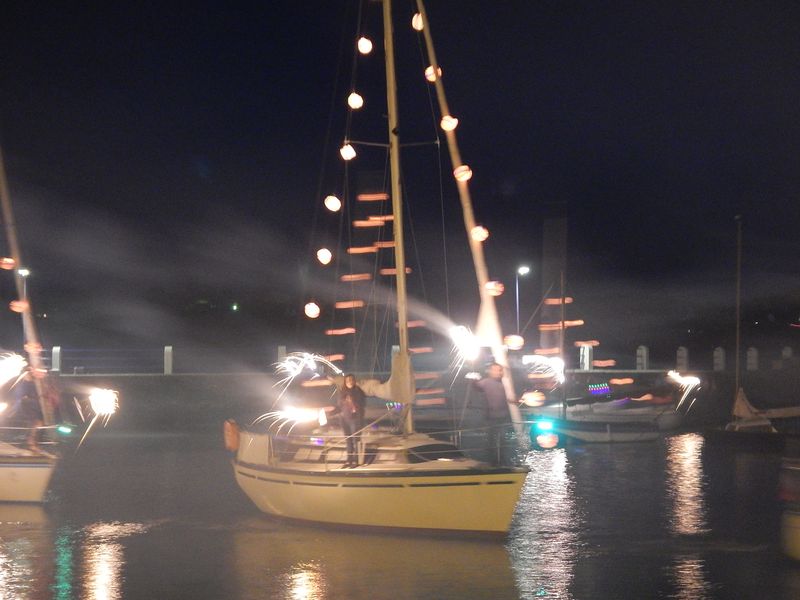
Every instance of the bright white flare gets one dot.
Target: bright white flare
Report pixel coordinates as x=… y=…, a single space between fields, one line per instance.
x=332 y=203
x=11 y=366
x=364 y=45
x=479 y=233
x=104 y=402
x=466 y=344
x=355 y=101
x=324 y=256
x=448 y=123
x=3 y=406
x=432 y=75
x=311 y=310
x=417 y=23
x=495 y=288
x=347 y=152
x=462 y=173
x=514 y=341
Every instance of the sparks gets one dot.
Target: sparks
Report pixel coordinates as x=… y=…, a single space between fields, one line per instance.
x=11 y=367
x=104 y=403
x=687 y=384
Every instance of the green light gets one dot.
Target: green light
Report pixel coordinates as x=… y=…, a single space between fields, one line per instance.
x=544 y=425
x=235 y=306
x=64 y=429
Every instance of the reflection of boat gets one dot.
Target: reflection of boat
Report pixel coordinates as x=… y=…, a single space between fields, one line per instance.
x=314 y=564
x=405 y=479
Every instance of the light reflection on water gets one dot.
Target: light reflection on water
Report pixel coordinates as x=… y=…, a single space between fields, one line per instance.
x=685 y=484
x=596 y=521
x=545 y=544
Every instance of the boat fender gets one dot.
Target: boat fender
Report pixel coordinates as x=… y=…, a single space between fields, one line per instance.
x=231 y=433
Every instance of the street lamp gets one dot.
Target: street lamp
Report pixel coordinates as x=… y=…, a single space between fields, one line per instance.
x=521 y=270
x=23 y=272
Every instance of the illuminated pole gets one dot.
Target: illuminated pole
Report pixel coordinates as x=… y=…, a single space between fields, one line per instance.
x=522 y=270
x=24 y=274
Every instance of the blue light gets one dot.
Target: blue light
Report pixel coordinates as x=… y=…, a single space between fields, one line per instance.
x=64 y=429
x=544 y=425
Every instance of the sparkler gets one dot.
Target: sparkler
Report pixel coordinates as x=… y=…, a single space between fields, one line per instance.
x=104 y=403
x=687 y=384
x=11 y=367
x=544 y=367
x=466 y=347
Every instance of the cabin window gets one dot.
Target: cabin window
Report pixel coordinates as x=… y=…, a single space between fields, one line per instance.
x=434 y=452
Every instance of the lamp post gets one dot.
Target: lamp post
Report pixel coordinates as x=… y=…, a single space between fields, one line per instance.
x=23 y=272
x=521 y=270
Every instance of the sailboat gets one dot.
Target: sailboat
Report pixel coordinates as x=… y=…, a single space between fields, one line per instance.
x=405 y=479
x=25 y=471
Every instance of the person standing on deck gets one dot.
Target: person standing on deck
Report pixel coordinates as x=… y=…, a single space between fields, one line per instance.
x=351 y=406
x=498 y=417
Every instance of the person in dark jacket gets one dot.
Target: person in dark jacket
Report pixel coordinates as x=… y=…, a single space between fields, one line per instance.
x=350 y=406
x=497 y=415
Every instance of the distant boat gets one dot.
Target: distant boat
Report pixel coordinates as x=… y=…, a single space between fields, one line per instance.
x=603 y=415
x=404 y=479
x=754 y=428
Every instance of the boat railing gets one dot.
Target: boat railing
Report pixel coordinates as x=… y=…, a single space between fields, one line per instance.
x=27 y=438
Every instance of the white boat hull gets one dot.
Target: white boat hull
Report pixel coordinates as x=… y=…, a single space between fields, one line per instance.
x=457 y=500
x=25 y=479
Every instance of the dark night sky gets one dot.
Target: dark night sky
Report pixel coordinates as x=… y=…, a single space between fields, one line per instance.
x=162 y=153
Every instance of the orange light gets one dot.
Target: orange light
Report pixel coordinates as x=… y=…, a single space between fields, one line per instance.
x=334 y=357
x=383 y=218
x=535 y=398
x=430 y=401
x=356 y=277
x=448 y=123
x=376 y=197
x=430 y=391
x=342 y=331
x=550 y=327
x=349 y=304
x=603 y=363
x=428 y=375
x=311 y=310
x=332 y=203
x=463 y=173
x=368 y=223
x=364 y=45
x=421 y=350
x=557 y=301
x=591 y=343
x=417 y=323
x=32 y=347
x=432 y=75
x=495 y=288
x=18 y=306
x=392 y=271
x=514 y=342
x=355 y=101
x=621 y=381
x=547 y=351
x=7 y=263
x=387 y=244
x=324 y=256
x=347 y=152
x=417 y=22
x=575 y=323
x=547 y=440
x=362 y=249
x=479 y=233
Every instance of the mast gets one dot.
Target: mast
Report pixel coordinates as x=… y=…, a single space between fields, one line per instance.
x=488 y=324
x=32 y=346
x=403 y=388
x=738 y=220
